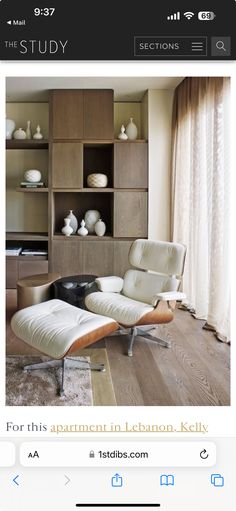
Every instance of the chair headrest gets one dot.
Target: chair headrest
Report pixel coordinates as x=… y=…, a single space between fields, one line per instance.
x=158 y=256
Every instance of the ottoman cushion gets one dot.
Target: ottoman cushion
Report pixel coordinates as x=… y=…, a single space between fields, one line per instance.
x=56 y=328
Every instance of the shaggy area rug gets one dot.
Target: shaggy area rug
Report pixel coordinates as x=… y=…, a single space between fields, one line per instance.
x=40 y=387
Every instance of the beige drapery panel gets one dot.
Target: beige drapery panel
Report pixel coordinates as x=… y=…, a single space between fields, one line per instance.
x=200 y=195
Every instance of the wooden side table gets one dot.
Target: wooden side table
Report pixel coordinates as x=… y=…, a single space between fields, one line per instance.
x=35 y=289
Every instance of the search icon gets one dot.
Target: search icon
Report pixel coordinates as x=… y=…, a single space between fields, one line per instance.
x=220 y=45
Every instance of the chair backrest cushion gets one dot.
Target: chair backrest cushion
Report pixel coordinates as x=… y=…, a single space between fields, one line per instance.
x=142 y=286
x=159 y=256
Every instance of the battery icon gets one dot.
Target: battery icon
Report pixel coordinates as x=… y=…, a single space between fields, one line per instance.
x=206 y=15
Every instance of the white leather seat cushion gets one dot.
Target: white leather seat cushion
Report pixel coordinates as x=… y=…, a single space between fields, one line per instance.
x=53 y=326
x=125 y=311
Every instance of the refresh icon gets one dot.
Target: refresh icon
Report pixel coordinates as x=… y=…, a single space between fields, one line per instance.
x=204 y=454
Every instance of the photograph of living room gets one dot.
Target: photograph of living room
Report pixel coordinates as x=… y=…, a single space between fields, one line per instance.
x=117 y=243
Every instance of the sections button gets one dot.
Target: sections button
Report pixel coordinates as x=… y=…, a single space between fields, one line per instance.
x=164 y=46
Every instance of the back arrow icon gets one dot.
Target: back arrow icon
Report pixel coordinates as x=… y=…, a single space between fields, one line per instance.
x=67 y=480
x=15 y=480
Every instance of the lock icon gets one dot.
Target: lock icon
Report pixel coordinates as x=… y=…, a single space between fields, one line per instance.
x=92 y=454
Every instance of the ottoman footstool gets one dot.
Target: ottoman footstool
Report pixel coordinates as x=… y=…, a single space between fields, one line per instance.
x=58 y=329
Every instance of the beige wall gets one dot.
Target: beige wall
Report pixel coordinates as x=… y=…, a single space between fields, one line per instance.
x=122 y=114
x=160 y=104
x=37 y=113
x=25 y=211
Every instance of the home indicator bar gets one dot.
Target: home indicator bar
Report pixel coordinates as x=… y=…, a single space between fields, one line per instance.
x=119 y=505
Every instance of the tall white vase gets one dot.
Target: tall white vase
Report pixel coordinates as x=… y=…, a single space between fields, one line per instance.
x=131 y=130
x=73 y=221
x=67 y=230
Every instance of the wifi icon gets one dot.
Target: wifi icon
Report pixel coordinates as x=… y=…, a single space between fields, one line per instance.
x=188 y=15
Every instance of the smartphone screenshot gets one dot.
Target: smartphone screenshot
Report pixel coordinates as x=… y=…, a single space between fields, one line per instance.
x=117 y=371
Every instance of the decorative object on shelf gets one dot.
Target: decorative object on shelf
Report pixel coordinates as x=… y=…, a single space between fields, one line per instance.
x=38 y=135
x=67 y=230
x=73 y=221
x=10 y=127
x=19 y=134
x=97 y=180
x=82 y=231
x=91 y=217
x=122 y=135
x=132 y=130
x=32 y=176
x=100 y=227
x=28 y=131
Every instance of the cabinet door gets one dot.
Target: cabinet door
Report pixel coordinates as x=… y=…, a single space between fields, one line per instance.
x=27 y=268
x=121 y=255
x=11 y=273
x=98 y=114
x=98 y=257
x=66 y=257
x=67 y=165
x=130 y=214
x=67 y=114
x=130 y=165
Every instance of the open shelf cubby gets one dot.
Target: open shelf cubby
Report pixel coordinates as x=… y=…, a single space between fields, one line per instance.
x=80 y=203
x=98 y=158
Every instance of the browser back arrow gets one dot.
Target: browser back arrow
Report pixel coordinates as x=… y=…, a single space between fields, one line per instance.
x=15 y=480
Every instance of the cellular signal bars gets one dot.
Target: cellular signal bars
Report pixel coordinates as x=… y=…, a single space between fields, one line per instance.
x=174 y=17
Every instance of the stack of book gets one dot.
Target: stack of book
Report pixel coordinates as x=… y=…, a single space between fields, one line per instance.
x=26 y=184
x=13 y=251
x=34 y=252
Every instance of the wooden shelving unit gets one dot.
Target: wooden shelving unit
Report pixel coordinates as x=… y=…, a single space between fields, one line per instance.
x=27 y=144
x=26 y=236
x=81 y=142
x=31 y=190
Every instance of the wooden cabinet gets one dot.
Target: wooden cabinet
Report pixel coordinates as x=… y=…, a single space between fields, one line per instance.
x=98 y=114
x=98 y=257
x=130 y=214
x=27 y=268
x=66 y=257
x=130 y=165
x=67 y=165
x=82 y=114
x=11 y=272
x=121 y=257
x=67 y=114
x=20 y=267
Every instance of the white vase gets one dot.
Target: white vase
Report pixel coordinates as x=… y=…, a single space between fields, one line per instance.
x=67 y=229
x=132 y=130
x=28 y=131
x=122 y=135
x=32 y=176
x=10 y=127
x=73 y=221
x=38 y=135
x=19 y=134
x=100 y=228
x=91 y=217
x=82 y=231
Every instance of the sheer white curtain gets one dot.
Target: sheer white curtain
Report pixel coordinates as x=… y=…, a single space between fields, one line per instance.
x=200 y=195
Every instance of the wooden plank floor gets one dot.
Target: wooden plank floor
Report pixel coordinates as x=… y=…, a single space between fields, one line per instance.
x=194 y=372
